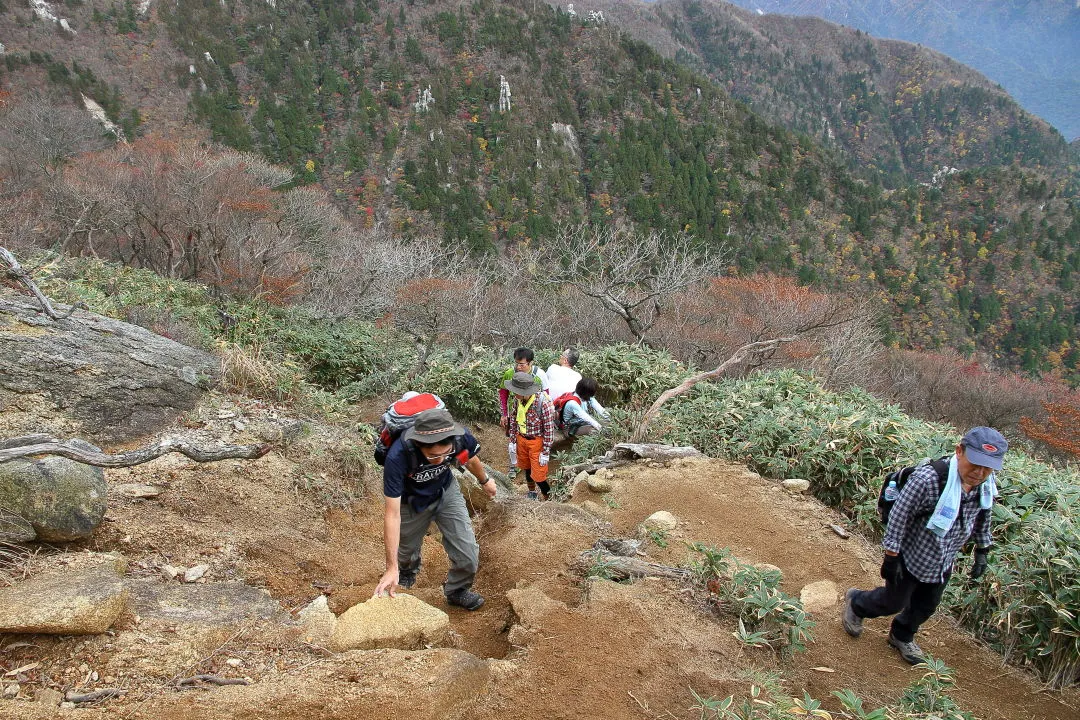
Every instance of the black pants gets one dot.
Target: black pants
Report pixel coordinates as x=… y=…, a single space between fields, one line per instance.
x=916 y=601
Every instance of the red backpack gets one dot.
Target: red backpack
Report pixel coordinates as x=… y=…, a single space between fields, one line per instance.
x=399 y=417
x=560 y=404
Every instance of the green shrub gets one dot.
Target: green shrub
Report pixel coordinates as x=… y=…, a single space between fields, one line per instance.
x=333 y=353
x=629 y=375
x=470 y=389
x=768 y=617
x=925 y=698
x=133 y=295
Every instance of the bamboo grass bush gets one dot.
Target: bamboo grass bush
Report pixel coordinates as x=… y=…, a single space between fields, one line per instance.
x=786 y=424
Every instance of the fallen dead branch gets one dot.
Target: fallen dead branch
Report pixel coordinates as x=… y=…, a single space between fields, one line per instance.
x=620 y=568
x=134 y=457
x=627 y=454
x=102 y=694
x=211 y=680
x=15 y=271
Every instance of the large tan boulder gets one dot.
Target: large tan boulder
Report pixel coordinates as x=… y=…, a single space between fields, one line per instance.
x=65 y=601
x=404 y=622
x=819 y=596
x=531 y=605
x=661 y=521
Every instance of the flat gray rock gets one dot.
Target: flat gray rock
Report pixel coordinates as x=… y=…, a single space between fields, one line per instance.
x=208 y=603
x=114 y=380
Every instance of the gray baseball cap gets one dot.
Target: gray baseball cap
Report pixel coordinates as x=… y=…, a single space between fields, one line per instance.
x=985 y=446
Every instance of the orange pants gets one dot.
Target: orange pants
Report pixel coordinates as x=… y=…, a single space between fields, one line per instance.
x=528 y=458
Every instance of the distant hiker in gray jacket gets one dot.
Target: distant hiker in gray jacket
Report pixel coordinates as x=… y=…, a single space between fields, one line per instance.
x=927 y=527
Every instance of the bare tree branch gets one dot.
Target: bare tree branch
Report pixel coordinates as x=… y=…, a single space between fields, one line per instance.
x=633 y=275
x=134 y=457
x=747 y=351
x=16 y=272
x=211 y=679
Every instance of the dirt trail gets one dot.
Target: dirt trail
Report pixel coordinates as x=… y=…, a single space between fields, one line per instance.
x=602 y=650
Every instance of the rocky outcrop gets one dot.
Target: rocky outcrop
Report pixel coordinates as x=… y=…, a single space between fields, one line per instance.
x=65 y=601
x=112 y=380
x=52 y=499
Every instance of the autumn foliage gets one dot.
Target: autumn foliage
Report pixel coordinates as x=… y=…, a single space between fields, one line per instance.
x=1060 y=430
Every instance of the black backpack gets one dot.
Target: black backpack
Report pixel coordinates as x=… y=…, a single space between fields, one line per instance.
x=941 y=467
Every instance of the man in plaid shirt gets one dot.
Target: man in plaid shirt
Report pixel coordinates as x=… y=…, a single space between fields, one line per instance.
x=919 y=561
x=531 y=420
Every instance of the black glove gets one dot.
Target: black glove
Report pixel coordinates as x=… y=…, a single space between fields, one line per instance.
x=979 y=566
x=892 y=572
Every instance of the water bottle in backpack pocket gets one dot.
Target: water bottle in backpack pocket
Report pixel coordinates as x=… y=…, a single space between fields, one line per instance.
x=894 y=483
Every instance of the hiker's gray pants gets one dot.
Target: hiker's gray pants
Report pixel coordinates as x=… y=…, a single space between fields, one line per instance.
x=452 y=518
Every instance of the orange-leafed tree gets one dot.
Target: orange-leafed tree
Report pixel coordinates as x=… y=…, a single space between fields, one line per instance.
x=832 y=334
x=1059 y=431
x=439 y=307
x=190 y=210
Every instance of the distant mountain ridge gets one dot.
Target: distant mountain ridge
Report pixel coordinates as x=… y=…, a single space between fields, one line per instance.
x=1030 y=47
x=905 y=110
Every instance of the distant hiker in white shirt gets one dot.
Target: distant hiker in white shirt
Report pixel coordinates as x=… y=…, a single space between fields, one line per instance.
x=562 y=377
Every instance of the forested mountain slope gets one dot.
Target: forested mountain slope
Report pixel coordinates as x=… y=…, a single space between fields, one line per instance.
x=1031 y=47
x=900 y=108
x=489 y=124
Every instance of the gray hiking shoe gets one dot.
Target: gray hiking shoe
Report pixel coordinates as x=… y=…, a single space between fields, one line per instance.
x=852 y=622
x=910 y=651
x=465 y=598
x=531 y=495
x=406 y=580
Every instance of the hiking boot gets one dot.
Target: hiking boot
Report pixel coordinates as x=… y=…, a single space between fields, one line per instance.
x=531 y=495
x=465 y=598
x=512 y=474
x=852 y=622
x=406 y=580
x=910 y=651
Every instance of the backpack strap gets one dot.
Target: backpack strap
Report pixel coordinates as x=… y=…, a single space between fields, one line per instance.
x=412 y=453
x=941 y=467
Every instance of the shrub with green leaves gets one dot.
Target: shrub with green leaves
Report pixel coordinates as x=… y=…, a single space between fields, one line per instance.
x=786 y=424
x=130 y=294
x=925 y=698
x=469 y=389
x=631 y=375
x=767 y=616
